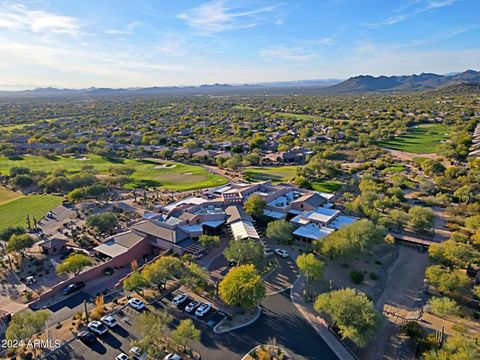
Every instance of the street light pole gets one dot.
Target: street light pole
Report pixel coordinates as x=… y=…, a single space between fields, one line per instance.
x=86 y=310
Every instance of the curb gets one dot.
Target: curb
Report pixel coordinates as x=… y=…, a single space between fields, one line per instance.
x=251 y=321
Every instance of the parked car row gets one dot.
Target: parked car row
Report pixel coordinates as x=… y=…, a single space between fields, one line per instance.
x=201 y=308
x=98 y=328
x=135 y=354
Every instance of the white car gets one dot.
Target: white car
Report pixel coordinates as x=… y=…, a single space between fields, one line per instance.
x=203 y=309
x=281 y=252
x=109 y=321
x=136 y=303
x=173 y=356
x=97 y=327
x=137 y=353
x=122 y=356
x=192 y=305
x=177 y=300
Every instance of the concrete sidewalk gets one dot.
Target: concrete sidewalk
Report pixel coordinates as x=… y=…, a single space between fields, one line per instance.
x=318 y=323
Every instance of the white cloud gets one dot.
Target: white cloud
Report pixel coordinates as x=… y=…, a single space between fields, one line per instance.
x=129 y=29
x=420 y=8
x=117 y=32
x=285 y=53
x=19 y=17
x=326 y=41
x=172 y=45
x=221 y=15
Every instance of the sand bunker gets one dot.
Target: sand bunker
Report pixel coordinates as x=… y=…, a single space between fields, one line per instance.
x=82 y=158
x=165 y=166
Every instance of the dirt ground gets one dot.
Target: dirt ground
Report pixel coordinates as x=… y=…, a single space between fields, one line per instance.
x=404 y=282
x=337 y=272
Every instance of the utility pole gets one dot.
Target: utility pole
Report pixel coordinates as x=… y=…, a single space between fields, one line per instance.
x=86 y=310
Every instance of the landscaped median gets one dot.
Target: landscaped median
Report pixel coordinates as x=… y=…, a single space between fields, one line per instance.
x=269 y=351
x=238 y=320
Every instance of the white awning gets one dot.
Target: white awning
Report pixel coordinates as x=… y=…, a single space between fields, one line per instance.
x=244 y=230
x=312 y=231
x=110 y=249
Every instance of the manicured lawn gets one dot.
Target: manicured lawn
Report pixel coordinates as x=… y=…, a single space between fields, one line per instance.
x=14 y=212
x=276 y=174
x=297 y=116
x=7 y=195
x=174 y=176
x=421 y=139
x=327 y=186
x=147 y=173
x=282 y=174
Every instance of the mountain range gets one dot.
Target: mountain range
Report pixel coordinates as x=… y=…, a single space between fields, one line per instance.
x=405 y=83
x=356 y=84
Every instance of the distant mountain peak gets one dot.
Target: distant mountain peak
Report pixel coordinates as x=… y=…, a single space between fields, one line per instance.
x=405 y=83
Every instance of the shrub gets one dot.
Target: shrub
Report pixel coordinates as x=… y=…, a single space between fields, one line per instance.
x=412 y=329
x=356 y=277
x=373 y=276
x=444 y=307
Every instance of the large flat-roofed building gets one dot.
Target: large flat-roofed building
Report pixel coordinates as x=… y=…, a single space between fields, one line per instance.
x=177 y=226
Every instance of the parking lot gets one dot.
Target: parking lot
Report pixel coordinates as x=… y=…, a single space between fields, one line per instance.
x=210 y=319
x=119 y=338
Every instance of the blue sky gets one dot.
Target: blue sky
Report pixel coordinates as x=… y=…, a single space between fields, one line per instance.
x=103 y=43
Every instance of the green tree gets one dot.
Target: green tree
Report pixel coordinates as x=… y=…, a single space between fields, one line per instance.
x=453 y=254
x=242 y=287
x=464 y=194
x=399 y=218
x=18 y=243
x=76 y=195
x=352 y=313
x=444 y=306
x=209 y=241
x=472 y=222
x=254 y=205
x=476 y=292
x=194 y=277
x=354 y=238
x=74 y=264
x=446 y=279
x=412 y=329
x=280 y=230
x=6 y=233
x=186 y=332
x=161 y=270
x=25 y=324
x=311 y=267
x=456 y=347
x=153 y=333
x=22 y=181
x=421 y=218
x=135 y=282
x=244 y=252
x=104 y=223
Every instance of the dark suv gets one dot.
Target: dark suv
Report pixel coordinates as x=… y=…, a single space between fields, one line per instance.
x=72 y=288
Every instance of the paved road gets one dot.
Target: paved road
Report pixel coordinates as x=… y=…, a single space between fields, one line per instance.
x=280 y=320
